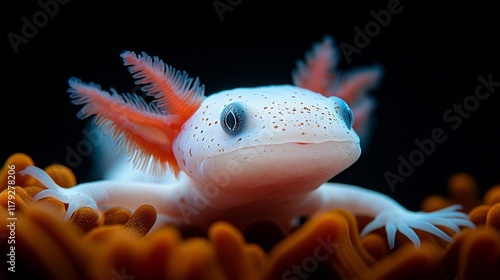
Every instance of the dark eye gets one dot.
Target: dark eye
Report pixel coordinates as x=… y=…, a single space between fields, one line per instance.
x=344 y=112
x=348 y=116
x=233 y=118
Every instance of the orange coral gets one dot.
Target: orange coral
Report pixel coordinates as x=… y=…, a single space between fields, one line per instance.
x=239 y=260
x=479 y=213
x=463 y=188
x=493 y=216
x=492 y=196
x=16 y=162
x=118 y=243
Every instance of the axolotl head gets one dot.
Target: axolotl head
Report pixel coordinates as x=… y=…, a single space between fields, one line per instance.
x=251 y=144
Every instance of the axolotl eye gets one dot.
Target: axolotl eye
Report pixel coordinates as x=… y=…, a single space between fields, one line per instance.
x=233 y=118
x=344 y=111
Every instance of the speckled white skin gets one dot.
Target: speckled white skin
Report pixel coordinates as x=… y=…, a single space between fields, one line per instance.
x=293 y=141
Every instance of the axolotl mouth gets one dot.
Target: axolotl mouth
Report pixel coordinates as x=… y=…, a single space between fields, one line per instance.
x=285 y=169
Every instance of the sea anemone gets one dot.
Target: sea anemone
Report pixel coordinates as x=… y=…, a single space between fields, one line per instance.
x=119 y=244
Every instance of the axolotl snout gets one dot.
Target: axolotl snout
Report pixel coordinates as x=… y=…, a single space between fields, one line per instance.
x=240 y=155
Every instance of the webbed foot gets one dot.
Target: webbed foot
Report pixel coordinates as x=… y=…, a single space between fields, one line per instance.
x=74 y=197
x=406 y=221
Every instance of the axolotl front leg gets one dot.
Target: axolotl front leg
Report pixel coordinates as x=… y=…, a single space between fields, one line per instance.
x=386 y=212
x=109 y=193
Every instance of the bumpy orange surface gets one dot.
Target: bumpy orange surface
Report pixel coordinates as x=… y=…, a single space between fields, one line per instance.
x=119 y=244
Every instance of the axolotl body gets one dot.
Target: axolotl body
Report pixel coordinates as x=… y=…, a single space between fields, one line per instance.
x=239 y=155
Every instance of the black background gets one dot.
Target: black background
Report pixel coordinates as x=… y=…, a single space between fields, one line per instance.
x=432 y=56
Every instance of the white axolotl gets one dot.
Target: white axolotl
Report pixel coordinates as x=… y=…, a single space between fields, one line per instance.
x=240 y=155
